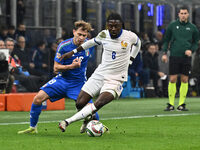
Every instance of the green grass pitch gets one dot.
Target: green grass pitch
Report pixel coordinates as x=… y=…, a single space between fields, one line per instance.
x=135 y=124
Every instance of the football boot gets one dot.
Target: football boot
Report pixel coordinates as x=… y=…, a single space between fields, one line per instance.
x=169 y=107
x=30 y=130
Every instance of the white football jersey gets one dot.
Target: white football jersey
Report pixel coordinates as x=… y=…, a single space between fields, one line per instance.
x=116 y=54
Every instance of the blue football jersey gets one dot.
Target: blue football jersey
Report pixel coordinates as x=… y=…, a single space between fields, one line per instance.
x=77 y=74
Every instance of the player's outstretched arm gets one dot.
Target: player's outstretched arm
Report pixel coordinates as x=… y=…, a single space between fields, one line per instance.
x=86 y=45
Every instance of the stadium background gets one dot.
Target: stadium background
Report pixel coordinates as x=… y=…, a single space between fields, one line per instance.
x=146 y=16
x=139 y=124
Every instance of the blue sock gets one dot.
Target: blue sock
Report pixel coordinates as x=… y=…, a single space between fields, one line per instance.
x=34 y=114
x=96 y=116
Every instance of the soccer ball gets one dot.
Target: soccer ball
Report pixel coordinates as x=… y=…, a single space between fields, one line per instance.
x=95 y=128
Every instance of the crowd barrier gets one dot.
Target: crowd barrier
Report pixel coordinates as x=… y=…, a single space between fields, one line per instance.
x=23 y=102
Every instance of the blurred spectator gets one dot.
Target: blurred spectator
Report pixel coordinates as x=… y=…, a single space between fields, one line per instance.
x=150 y=61
x=136 y=70
x=195 y=75
x=163 y=67
x=196 y=63
x=4 y=72
x=144 y=40
x=20 y=11
x=3 y=33
x=21 y=30
x=29 y=82
x=158 y=39
x=9 y=44
x=22 y=52
x=2 y=44
x=11 y=32
x=48 y=38
x=39 y=60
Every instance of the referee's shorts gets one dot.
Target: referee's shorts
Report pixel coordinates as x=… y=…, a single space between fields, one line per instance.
x=179 y=65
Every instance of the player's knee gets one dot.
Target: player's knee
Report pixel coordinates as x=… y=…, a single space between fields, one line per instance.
x=37 y=100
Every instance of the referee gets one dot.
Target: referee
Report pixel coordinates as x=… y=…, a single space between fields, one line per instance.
x=181 y=38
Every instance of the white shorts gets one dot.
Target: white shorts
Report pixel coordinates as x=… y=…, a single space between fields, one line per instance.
x=97 y=85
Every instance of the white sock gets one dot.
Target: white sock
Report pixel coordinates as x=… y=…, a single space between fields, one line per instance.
x=83 y=113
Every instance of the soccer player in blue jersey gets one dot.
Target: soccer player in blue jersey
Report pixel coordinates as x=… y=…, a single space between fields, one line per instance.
x=70 y=79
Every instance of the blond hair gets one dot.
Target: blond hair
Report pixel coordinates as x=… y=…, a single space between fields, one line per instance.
x=82 y=24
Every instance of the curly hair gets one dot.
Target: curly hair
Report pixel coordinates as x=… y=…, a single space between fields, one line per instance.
x=114 y=16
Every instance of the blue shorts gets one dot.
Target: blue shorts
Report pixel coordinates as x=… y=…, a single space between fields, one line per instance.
x=58 y=88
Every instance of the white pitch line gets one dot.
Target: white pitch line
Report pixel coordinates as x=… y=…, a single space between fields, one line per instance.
x=151 y=116
x=125 y=117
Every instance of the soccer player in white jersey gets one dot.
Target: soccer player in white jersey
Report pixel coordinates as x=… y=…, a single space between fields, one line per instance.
x=120 y=47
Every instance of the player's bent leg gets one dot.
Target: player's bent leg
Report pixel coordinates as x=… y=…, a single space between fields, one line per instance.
x=83 y=113
x=103 y=99
x=36 y=109
x=94 y=116
x=83 y=99
x=89 y=109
